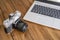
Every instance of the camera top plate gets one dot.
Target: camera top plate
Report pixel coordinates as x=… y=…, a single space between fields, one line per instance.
x=11 y=20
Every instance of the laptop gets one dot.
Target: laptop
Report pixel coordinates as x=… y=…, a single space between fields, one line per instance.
x=45 y=12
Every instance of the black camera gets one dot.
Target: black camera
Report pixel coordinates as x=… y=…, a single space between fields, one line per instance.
x=14 y=22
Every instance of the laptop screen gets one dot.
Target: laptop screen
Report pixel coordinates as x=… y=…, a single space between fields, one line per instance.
x=54 y=2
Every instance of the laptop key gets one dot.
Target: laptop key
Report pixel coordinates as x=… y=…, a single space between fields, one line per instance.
x=46 y=11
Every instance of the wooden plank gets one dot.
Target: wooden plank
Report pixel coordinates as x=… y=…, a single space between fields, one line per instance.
x=10 y=8
x=0 y=21
x=6 y=8
x=3 y=8
x=55 y=34
x=1 y=18
x=31 y=1
x=25 y=3
x=18 y=5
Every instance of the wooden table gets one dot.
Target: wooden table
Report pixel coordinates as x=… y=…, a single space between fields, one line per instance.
x=34 y=31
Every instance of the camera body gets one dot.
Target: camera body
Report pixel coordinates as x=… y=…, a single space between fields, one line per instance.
x=14 y=22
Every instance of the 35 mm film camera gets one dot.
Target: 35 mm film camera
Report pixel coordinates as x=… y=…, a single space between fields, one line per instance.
x=14 y=22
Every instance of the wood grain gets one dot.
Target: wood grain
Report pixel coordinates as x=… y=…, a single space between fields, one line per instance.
x=34 y=31
x=1 y=18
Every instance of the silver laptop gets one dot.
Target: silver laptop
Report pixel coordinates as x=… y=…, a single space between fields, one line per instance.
x=45 y=12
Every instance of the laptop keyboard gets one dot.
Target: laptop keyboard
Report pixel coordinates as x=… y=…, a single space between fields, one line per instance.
x=46 y=11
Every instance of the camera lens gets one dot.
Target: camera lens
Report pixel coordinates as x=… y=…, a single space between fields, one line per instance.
x=21 y=26
x=24 y=28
